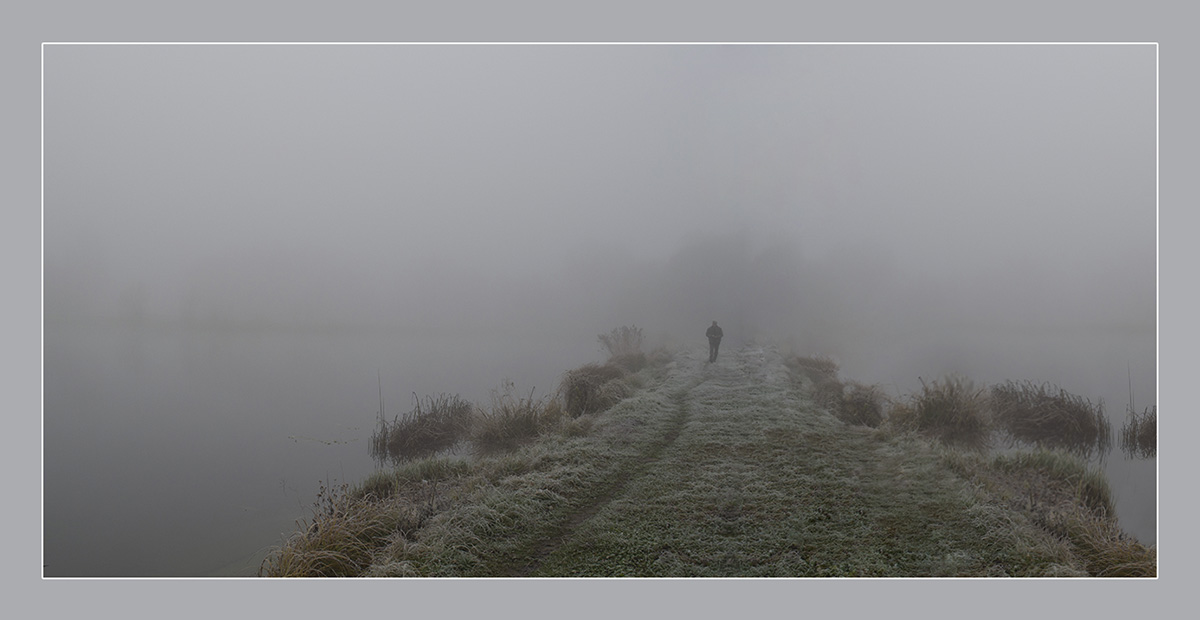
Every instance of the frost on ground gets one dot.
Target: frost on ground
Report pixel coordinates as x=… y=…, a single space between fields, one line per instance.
x=760 y=481
x=719 y=469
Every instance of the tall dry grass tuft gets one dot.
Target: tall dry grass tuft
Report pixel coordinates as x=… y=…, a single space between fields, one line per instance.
x=862 y=405
x=337 y=542
x=586 y=389
x=623 y=341
x=433 y=425
x=1139 y=436
x=351 y=526
x=512 y=420
x=952 y=410
x=1049 y=416
x=1106 y=551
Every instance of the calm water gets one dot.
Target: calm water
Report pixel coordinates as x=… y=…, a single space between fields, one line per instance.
x=184 y=453
x=189 y=453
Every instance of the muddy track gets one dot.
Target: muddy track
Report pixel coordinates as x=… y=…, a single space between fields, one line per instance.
x=614 y=489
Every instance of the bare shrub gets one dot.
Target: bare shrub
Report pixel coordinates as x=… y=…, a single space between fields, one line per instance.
x=1139 y=436
x=433 y=425
x=581 y=388
x=623 y=341
x=1049 y=416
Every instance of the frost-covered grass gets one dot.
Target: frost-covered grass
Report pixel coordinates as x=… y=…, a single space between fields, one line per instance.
x=762 y=482
x=1059 y=494
x=727 y=469
x=481 y=516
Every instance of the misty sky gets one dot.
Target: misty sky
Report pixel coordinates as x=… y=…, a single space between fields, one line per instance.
x=543 y=187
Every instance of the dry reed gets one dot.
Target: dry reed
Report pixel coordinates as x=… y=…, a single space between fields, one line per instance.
x=512 y=420
x=433 y=425
x=1049 y=416
x=1139 y=436
x=952 y=410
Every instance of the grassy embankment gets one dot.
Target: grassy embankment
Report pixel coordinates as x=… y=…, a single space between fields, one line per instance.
x=753 y=466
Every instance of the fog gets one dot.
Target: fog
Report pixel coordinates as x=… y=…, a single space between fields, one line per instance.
x=243 y=243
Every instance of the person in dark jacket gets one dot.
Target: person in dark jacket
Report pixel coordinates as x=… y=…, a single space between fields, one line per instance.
x=714 y=334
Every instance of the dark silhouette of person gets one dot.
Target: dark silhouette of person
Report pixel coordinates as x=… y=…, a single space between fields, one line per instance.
x=714 y=334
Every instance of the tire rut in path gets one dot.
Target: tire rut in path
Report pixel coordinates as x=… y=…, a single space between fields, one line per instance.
x=538 y=554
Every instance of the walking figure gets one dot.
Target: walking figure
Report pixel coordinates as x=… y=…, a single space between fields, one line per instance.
x=714 y=334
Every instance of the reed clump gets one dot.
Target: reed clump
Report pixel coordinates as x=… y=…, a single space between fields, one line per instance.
x=592 y=388
x=434 y=424
x=951 y=410
x=1046 y=415
x=513 y=420
x=1139 y=436
x=862 y=405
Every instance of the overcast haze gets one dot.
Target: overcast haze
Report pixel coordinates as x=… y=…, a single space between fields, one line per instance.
x=911 y=210
x=397 y=184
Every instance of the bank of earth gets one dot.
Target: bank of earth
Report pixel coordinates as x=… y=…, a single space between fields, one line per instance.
x=729 y=469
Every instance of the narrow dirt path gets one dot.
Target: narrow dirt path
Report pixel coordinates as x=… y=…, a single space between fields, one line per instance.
x=727 y=469
x=730 y=370
x=753 y=479
x=613 y=490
